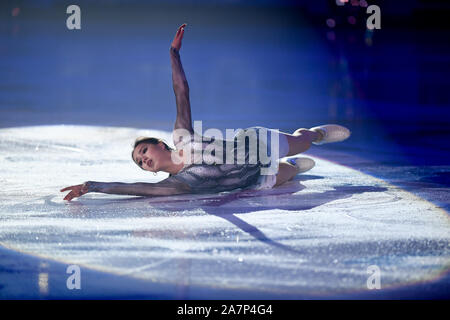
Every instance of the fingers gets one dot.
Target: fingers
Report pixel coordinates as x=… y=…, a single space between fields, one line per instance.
x=69 y=196
x=67 y=188
x=75 y=191
x=180 y=30
x=72 y=194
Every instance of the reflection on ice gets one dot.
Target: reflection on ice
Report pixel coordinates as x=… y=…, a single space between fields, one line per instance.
x=43 y=279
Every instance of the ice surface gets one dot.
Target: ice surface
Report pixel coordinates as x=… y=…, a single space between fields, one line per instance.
x=316 y=234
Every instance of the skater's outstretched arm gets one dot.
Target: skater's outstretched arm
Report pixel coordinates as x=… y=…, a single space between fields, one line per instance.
x=166 y=187
x=180 y=84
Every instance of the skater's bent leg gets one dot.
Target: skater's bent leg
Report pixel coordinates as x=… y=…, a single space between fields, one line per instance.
x=300 y=140
x=286 y=172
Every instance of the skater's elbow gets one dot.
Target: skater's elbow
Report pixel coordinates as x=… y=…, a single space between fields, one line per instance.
x=180 y=86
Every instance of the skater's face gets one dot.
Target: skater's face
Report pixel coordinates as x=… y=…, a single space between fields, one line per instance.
x=151 y=157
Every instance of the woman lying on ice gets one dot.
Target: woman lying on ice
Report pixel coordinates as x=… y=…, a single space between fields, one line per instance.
x=235 y=165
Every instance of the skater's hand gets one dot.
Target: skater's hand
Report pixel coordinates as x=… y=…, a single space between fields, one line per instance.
x=76 y=191
x=176 y=43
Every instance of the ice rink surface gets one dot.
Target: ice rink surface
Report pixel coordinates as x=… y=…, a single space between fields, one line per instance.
x=313 y=237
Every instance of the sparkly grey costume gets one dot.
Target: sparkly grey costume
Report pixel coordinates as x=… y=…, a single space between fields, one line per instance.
x=205 y=177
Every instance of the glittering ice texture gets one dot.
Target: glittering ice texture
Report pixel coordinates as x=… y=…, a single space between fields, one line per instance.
x=315 y=235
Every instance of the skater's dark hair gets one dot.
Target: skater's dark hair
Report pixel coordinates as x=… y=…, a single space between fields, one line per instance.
x=150 y=140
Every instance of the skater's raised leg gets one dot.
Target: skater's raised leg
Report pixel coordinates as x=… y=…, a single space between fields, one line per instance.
x=302 y=138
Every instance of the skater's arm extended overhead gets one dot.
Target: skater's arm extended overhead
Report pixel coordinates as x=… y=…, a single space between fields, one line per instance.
x=180 y=84
x=166 y=187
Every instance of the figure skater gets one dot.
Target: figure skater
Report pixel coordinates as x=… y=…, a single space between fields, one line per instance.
x=209 y=175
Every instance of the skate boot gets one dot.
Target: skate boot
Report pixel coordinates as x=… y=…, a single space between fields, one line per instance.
x=302 y=164
x=331 y=133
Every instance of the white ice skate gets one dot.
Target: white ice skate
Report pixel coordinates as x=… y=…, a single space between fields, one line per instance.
x=331 y=133
x=303 y=164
